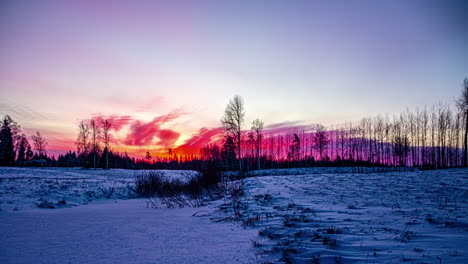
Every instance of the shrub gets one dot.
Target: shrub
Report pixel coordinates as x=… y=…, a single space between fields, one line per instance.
x=175 y=192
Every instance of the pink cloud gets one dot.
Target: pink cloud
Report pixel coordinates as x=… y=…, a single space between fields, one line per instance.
x=207 y=136
x=167 y=137
x=117 y=122
x=142 y=134
x=199 y=140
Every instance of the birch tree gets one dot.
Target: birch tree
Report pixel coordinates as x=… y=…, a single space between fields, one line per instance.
x=232 y=121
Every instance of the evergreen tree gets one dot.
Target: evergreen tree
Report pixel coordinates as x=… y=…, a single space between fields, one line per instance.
x=23 y=146
x=7 y=153
x=228 y=153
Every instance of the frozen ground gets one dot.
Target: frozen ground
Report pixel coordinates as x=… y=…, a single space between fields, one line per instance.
x=315 y=217
x=412 y=217
x=94 y=221
x=120 y=232
x=315 y=170
x=26 y=188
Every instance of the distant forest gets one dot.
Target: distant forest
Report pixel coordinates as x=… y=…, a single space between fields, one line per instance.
x=431 y=137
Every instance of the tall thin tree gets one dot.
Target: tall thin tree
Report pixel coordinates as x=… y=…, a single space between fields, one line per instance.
x=462 y=104
x=39 y=144
x=82 y=141
x=232 y=121
x=95 y=139
x=106 y=126
x=257 y=128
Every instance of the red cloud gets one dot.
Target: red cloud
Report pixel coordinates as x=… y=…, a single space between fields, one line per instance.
x=142 y=134
x=167 y=138
x=155 y=135
x=204 y=136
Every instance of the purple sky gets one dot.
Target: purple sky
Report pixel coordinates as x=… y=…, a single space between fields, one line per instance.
x=310 y=61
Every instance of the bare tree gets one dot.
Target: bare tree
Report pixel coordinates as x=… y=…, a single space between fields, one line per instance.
x=82 y=141
x=321 y=139
x=39 y=144
x=424 y=127
x=257 y=128
x=251 y=148
x=232 y=121
x=462 y=104
x=95 y=138
x=106 y=126
x=457 y=127
x=295 y=149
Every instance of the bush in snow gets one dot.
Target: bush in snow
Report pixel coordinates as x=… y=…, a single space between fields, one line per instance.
x=177 y=192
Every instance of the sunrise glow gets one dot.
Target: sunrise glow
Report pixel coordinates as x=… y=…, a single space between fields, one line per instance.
x=162 y=71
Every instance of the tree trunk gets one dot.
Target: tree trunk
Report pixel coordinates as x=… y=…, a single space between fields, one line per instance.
x=465 y=154
x=240 y=156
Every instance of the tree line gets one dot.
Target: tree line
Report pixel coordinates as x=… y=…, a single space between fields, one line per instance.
x=434 y=137
x=15 y=148
x=431 y=137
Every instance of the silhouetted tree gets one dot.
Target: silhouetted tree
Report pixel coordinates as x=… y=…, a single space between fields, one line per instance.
x=232 y=121
x=68 y=160
x=106 y=126
x=39 y=144
x=462 y=104
x=321 y=139
x=148 y=157
x=257 y=128
x=7 y=153
x=95 y=132
x=210 y=152
x=295 y=148
x=251 y=148
x=23 y=147
x=228 y=153
x=82 y=141
x=401 y=148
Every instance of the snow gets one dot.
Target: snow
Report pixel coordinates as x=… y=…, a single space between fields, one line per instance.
x=26 y=188
x=418 y=217
x=120 y=232
x=316 y=215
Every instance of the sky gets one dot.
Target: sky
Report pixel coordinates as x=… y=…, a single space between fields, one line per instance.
x=163 y=71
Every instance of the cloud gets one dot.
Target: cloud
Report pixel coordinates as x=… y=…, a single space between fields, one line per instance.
x=143 y=134
x=199 y=140
x=167 y=137
x=117 y=122
x=207 y=136
x=288 y=127
x=137 y=136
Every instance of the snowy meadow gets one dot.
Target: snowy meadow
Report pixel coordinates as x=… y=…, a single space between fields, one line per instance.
x=168 y=132
x=330 y=215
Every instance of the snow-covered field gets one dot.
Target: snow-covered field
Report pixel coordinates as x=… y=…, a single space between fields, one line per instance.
x=120 y=232
x=98 y=223
x=26 y=188
x=315 y=217
x=413 y=217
